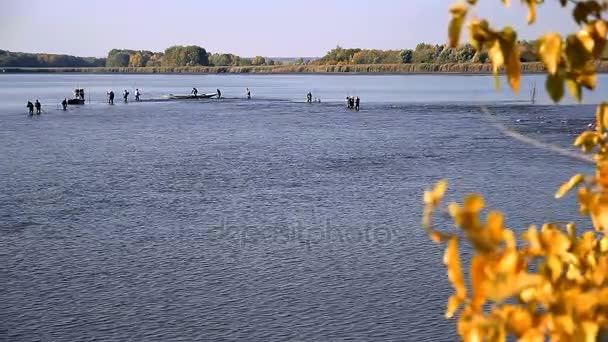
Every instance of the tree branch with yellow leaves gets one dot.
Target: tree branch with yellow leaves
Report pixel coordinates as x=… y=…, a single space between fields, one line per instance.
x=555 y=284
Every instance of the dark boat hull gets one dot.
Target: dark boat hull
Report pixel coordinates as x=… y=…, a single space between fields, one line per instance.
x=191 y=97
x=75 y=102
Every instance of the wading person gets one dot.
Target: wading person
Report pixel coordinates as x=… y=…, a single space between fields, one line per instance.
x=219 y=94
x=194 y=92
x=248 y=94
x=137 y=93
x=309 y=97
x=357 y=101
x=125 y=95
x=38 y=107
x=30 y=107
x=111 y=97
x=64 y=104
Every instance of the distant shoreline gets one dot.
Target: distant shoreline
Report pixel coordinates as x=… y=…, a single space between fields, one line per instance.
x=389 y=69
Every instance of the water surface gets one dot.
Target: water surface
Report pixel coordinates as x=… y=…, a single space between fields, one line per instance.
x=262 y=220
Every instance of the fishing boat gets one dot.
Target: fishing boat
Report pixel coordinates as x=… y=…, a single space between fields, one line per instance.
x=78 y=98
x=192 y=96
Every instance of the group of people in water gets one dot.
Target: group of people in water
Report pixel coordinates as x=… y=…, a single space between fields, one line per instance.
x=125 y=95
x=353 y=102
x=30 y=106
x=79 y=97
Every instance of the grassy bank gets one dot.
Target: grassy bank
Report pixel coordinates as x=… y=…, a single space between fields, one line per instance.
x=423 y=68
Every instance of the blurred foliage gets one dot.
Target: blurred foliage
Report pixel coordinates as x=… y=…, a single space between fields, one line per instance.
x=45 y=60
x=553 y=284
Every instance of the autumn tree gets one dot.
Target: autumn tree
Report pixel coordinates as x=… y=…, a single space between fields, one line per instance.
x=554 y=285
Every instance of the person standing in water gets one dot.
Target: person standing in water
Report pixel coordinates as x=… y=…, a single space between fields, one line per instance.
x=194 y=92
x=111 y=97
x=219 y=94
x=64 y=104
x=309 y=97
x=125 y=95
x=30 y=107
x=38 y=107
x=137 y=95
x=248 y=94
x=357 y=101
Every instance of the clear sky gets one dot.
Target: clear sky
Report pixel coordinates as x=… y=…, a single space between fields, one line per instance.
x=277 y=28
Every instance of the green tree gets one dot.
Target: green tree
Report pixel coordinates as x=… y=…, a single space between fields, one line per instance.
x=258 y=60
x=223 y=59
x=406 y=56
x=177 y=56
x=424 y=53
x=118 y=58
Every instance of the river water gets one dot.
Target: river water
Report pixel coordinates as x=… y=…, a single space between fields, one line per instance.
x=261 y=220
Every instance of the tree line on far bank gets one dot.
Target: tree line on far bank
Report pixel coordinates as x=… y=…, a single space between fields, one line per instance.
x=43 y=60
x=186 y=56
x=424 y=53
x=180 y=56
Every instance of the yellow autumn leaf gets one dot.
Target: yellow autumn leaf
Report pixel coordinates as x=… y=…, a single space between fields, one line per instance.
x=533 y=238
x=551 y=51
x=590 y=330
x=574 y=274
x=453 y=304
x=604 y=244
x=514 y=69
x=555 y=266
x=555 y=86
x=586 y=40
x=531 y=11
x=575 y=89
x=602 y=115
x=433 y=197
x=574 y=181
x=520 y=321
x=566 y=323
x=554 y=241
x=478 y=279
x=474 y=203
x=577 y=50
x=599 y=215
x=495 y=226
x=507 y=264
x=459 y=12
x=598 y=30
x=496 y=56
x=452 y=260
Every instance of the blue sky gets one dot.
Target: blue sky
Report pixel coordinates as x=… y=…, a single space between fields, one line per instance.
x=248 y=28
